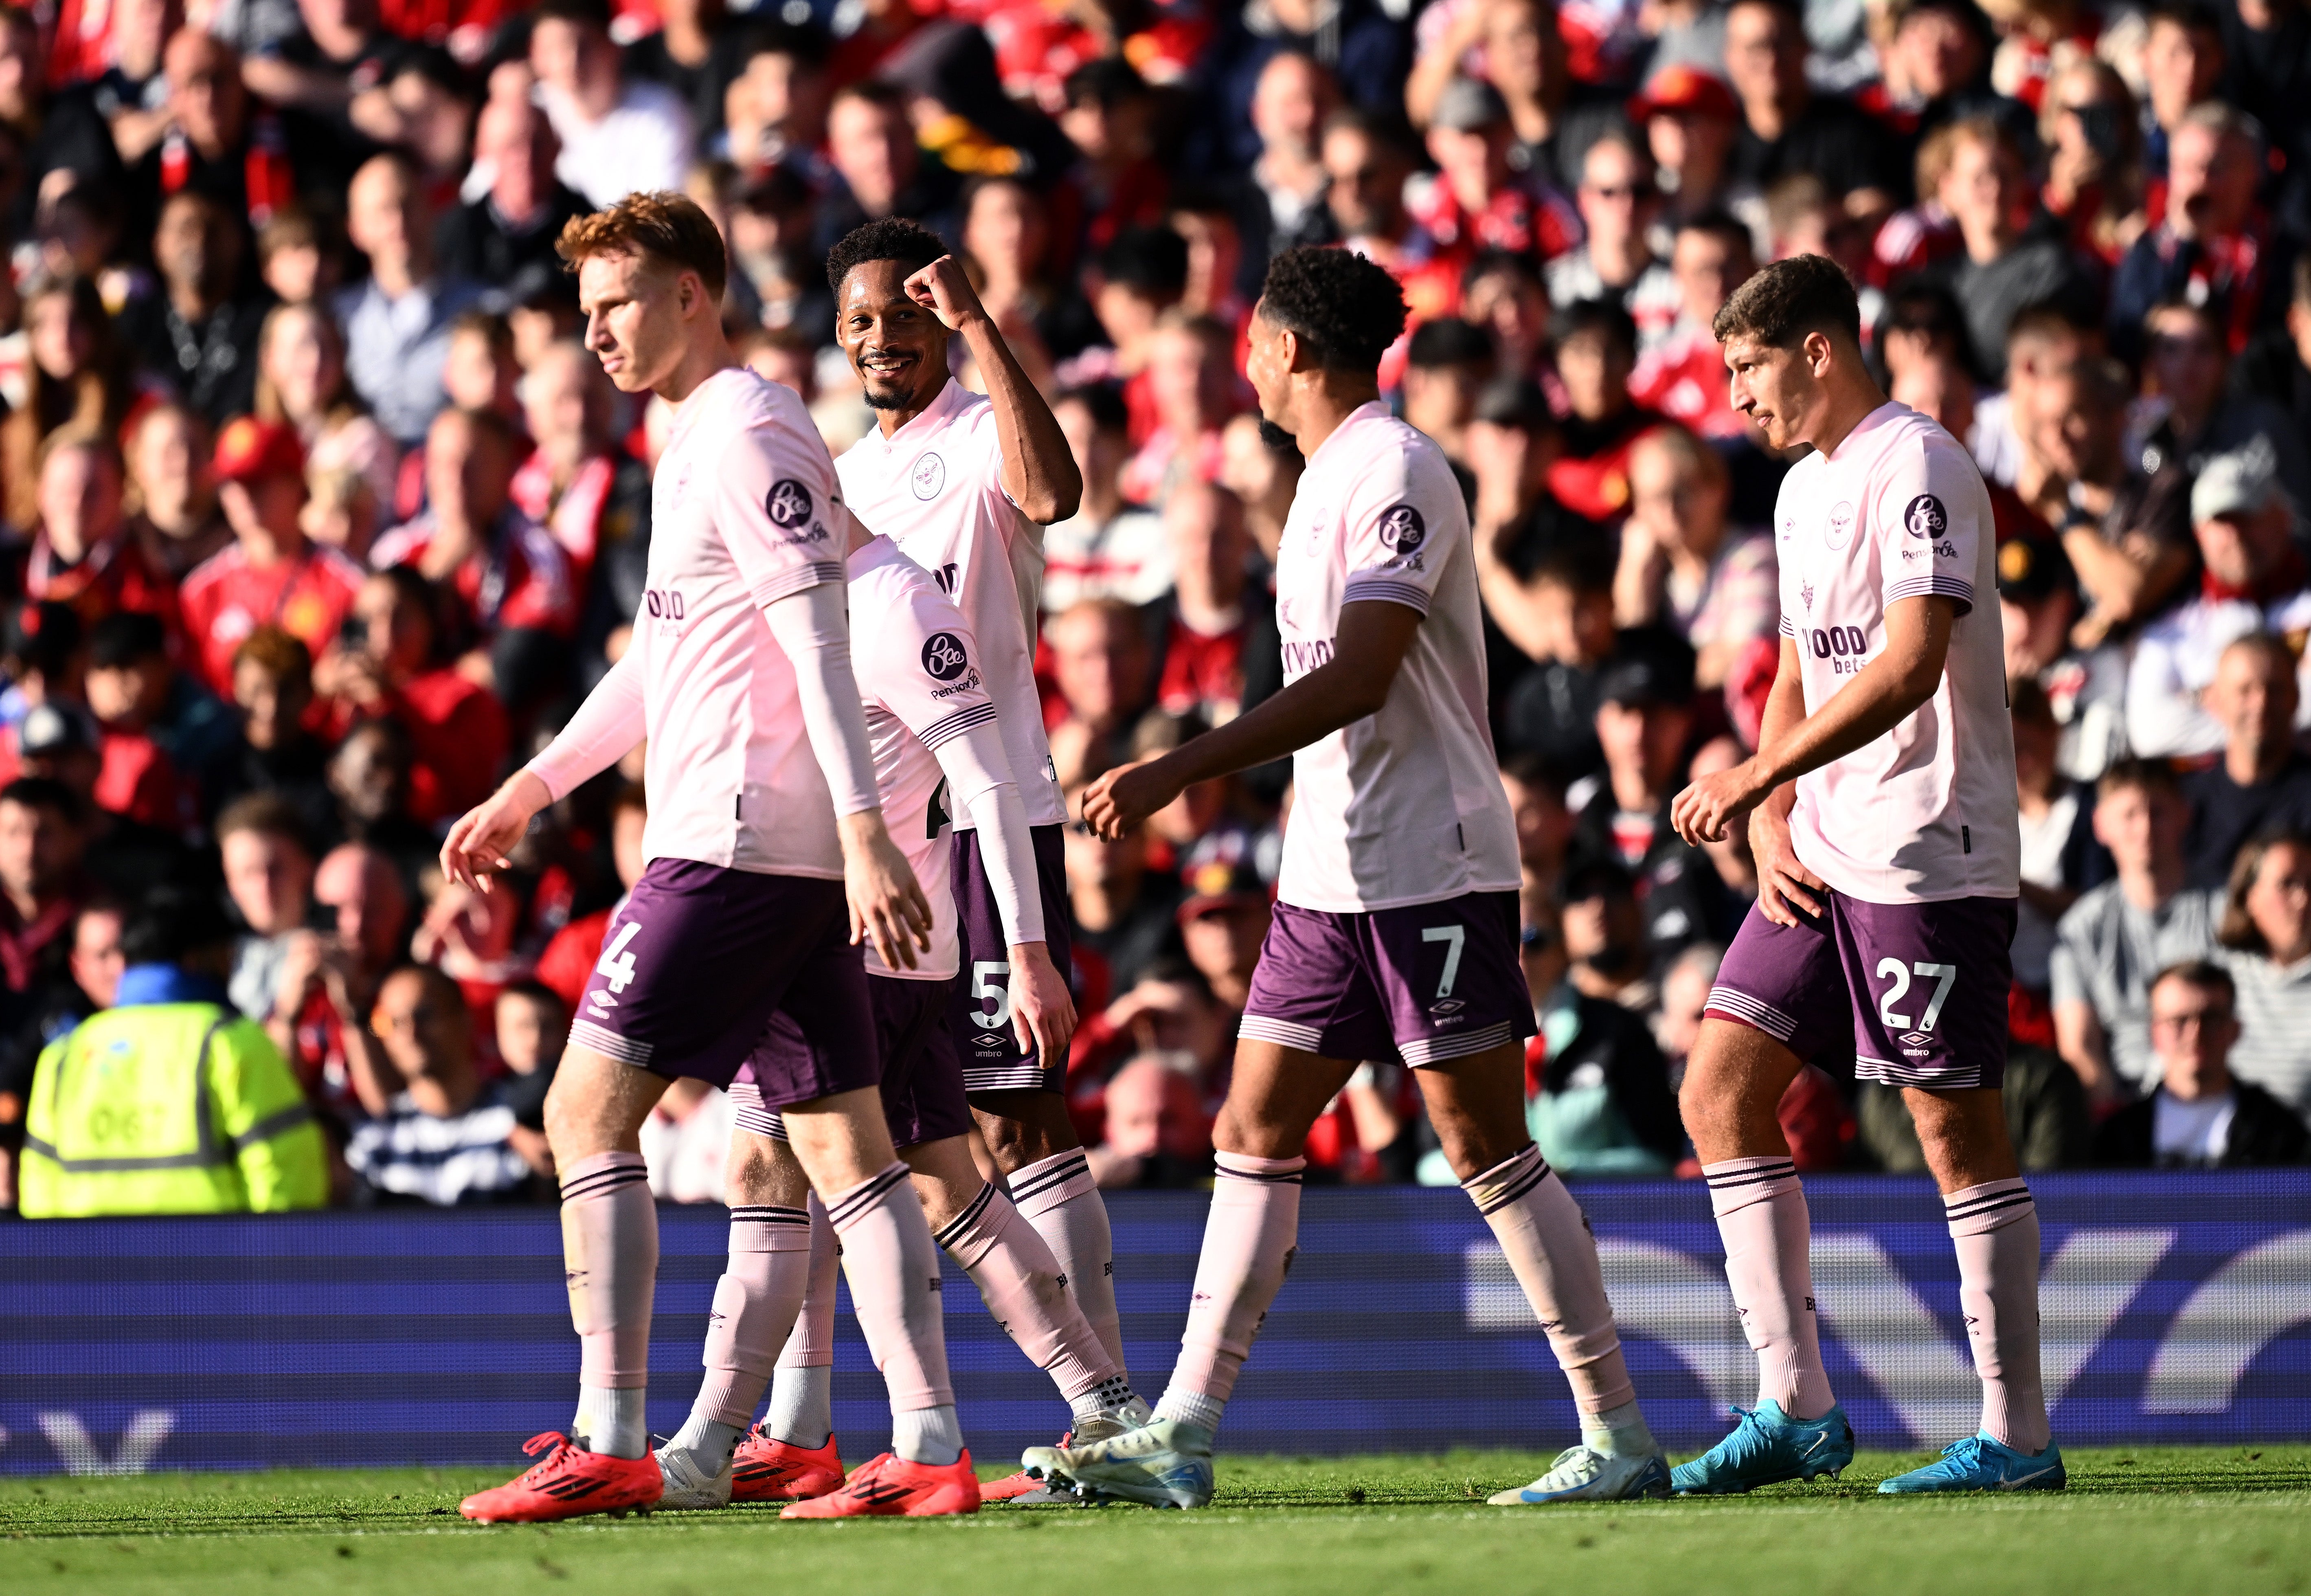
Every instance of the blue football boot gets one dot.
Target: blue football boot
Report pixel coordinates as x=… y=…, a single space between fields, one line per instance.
x=1979 y=1463
x=1767 y=1447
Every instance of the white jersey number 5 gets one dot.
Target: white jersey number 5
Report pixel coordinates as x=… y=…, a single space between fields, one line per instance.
x=1943 y=976
x=990 y=991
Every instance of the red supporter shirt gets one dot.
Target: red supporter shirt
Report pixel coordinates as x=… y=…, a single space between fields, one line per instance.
x=228 y=596
x=1201 y=671
x=456 y=734
x=569 y=959
x=138 y=781
x=112 y=577
x=519 y=578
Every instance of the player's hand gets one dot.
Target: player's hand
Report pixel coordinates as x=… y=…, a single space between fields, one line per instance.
x=1705 y=811
x=1783 y=879
x=942 y=289
x=1042 y=1010
x=485 y=836
x=887 y=906
x=1126 y=796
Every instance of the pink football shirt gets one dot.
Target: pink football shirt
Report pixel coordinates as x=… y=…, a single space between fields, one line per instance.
x=1405 y=806
x=1926 y=812
x=936 y=488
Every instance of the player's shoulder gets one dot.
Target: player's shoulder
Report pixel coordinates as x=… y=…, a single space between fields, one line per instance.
x=1387 y=452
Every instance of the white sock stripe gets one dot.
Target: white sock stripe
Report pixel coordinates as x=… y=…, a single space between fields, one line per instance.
x=1754 y=1175
x=1437 y=1050
x=1506 y=1181
x=770 y=1214
x=603 y=1181
x=601 y=1039
x=1755 y=1011
x=1973 y=1206
x=1263 y=1177
x=957 y=1228
x=1036 y=1179
x=1262 y=1027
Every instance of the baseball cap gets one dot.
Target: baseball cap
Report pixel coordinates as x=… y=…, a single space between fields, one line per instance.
x=54 y=729
x=1469 y=104
x=1217 y=882
x=1683 y=88
x=1648 y=667
x=2032 y=568
x=249 y=450
x=2240 y=482
x=1516 y=402
x=44 y=635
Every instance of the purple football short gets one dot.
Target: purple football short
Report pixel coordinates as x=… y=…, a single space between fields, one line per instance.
x=1920 y=988
x=980 y=1009
x=922 y=1079
x=698 y=961
x=1427 y=983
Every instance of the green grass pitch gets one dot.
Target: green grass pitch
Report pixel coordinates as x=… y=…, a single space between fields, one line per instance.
x=2175 y=1521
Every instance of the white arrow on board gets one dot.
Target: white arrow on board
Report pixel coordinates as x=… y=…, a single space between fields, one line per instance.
x=2233 y=1315
x=78 y=1451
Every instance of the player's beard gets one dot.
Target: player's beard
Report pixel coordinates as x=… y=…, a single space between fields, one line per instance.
x=1276 y=437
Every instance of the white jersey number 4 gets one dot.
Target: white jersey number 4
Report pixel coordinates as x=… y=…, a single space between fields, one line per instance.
x=1943 y=976
x=617 y=966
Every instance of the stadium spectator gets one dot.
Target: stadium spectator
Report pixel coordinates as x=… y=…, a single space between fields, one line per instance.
x=1682 y=374
x=329 y=979
x=301 y=382
x=1212 y=615
x=871 y=144
x=268 y=871
x=1223 y=919
x=2196 y=414
x=397 y=323
x=1478 y=199
x=195 y=335
x=1008 y=235
x=160 y=730
x=2006 y=262
x=172 y=499
x=434 y=1132
x=72 y=377
x=584 y=491
x=273 y=575
x=1110 y=547
x=1561 y=620
x=2215 y=245
x=83 y=555
x=1122 y=912
x=1730 y=855
x=1787 y=125
x=1614 y=259
x=221 y=1126
x=2181 y=66
x=2256 y=581
x=451 y=730
x=1447 y=364
x=2117 y=936
x=2199 y=1115
x=1502 y=292
x=1190 y=383
x=2093 y=137
x=2262 y=783
x=1596 y=343
x=1264 y=478
x=1682 y=566
x=618 y=135
x=1598 y=1095
x=219 y=142
x=2056 y=824
x=1605 y=934
x=1544 y=826
x=570 y=958
x=272 y=689
x=2265 y=944
x=531 y=1024
x=1104 y=666
x=1689 y=116
x=1291 y=100
x=504 y=236
x=1156 y=1133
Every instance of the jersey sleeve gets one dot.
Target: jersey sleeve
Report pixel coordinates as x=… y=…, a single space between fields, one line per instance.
x=924 y=668
x=1932 y=519
x=1396 y=527
x=778 y=509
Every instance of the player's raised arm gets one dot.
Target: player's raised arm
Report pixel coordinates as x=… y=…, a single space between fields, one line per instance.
x=602 y=731
x=1039 y=468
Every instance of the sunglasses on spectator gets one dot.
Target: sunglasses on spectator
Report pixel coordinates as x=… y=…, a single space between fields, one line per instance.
x=2200 y=1019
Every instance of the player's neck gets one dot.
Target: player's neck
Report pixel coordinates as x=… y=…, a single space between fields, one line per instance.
x=891 y=421
x=1852 y=398
x=1321 y=405
x=709 y=354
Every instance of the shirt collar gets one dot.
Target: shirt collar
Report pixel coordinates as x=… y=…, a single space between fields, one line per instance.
x=164 y=983
x=950 y=398
x=1370 y=410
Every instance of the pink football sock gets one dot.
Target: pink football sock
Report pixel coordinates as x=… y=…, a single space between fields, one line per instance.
x=1020 y=1281
x=609 y=1250
x=759 y=1295
x=1761 y=1216
x=1994 y=1228
x=1059 y=1199
x=893 y=1269
x=1249 y=1244
x=1546 y=1238
x=810 y=1345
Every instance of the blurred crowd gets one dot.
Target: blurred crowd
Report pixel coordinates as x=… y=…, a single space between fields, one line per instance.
x=316 y=517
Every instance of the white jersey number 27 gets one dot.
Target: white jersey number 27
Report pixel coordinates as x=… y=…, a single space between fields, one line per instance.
x=1943 y=976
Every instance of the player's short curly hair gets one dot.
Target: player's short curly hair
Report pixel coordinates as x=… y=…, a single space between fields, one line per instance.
x=1346 y=310
x=1783 y=303
x=895 y=237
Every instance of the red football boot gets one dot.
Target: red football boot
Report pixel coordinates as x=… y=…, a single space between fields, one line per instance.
x=765 y=1469
x=568 y=1483
x=890 y=1487
x=1013 y=1486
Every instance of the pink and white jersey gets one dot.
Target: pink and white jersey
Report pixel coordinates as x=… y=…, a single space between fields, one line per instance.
x=1926 y=812
x=914 y=654
x=935 y=487
x=744 y=511
x=1405 y=806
